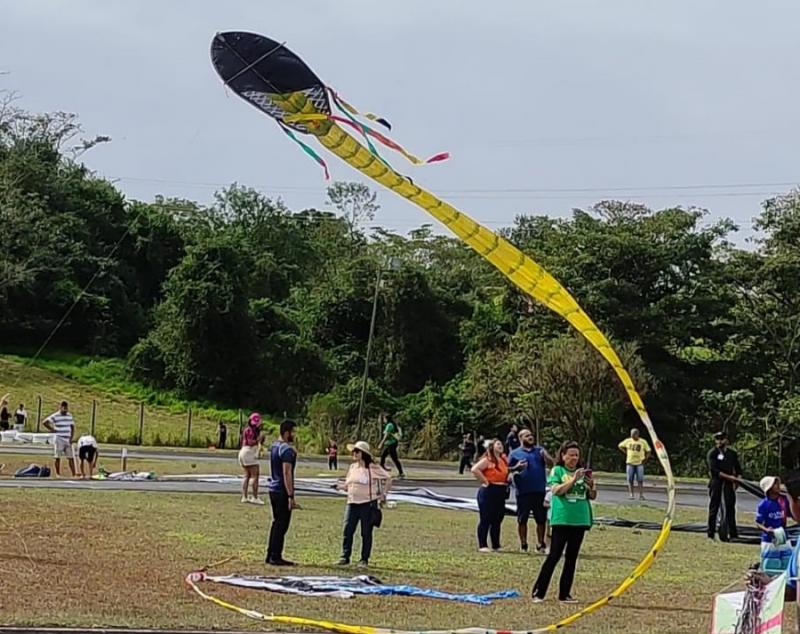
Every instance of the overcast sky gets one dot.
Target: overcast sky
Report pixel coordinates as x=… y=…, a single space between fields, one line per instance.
x=683 y=102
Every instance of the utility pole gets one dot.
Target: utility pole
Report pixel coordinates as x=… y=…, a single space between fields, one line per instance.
x=393 y=264
x=365 y=377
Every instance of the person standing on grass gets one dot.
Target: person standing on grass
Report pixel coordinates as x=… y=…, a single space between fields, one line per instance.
x=390 y=444
x=725 y=470
x=20 y=417
x=467 y=454
x=637 y=451
x=480 y=446
x=63 y=425
x=223 y=435
x=252 y=438
x=772 y=514
x=531 y=485
x=367 y=484
x=282 y=460
x=332 y=450
x=571 y=517
x=5 y=416
x=88 y=453
x=512 y=439
x=493 y=474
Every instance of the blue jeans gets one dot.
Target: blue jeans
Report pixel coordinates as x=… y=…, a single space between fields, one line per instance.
x=353 y=514
x=491 y=510
x=635 y=472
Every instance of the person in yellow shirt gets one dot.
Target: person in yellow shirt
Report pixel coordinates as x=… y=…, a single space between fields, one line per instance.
x=636 y=451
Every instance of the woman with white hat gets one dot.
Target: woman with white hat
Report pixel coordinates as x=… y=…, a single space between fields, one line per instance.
x=366 y=484
x=772 y=514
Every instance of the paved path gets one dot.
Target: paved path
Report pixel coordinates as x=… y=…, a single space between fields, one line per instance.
x=609 y=494
x=441 y=478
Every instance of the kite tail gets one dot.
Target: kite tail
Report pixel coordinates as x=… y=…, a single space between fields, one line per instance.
x=367 y=132
x=308 y=150
x=372 y=117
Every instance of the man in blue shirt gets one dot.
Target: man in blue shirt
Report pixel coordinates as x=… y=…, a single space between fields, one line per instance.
x=530 y=483
x=282 y=461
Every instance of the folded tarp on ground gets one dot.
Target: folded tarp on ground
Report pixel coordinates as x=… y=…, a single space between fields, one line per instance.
x=12 y=435
x=131 y=476
x=348 y=587
x=32 y=471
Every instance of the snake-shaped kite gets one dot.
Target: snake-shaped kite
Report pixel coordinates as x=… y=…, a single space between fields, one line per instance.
x=276 y=81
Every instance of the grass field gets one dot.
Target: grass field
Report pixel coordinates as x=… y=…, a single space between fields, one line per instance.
x=82 y=381
x=118 y=559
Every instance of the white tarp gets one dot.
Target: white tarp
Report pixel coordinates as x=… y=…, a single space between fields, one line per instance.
x=27 y=437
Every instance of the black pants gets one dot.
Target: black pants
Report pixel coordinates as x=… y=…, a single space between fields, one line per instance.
x=492 y=510
x=281 y=518
x=391 y=451
x=566 y=541
x=222 y=438
x=353 y=514
x=722 y=491
x=333 y=463
x=466 y=463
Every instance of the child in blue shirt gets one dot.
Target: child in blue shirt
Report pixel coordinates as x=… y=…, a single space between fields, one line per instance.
x=772 y=514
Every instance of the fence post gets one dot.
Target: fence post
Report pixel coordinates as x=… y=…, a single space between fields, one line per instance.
x=189 y=430
x=38 y=413
x=241 y=425
x=141 y=423
x=94 y=415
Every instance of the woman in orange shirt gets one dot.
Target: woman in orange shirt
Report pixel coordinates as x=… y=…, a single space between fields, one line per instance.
x=492 y=472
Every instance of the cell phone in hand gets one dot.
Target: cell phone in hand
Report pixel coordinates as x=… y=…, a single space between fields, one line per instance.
x=588 y=473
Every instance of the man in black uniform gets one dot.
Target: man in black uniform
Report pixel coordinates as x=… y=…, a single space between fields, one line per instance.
x=467 y=454
x=724 y=468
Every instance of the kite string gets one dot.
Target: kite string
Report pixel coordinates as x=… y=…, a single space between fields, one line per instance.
x=78 y=298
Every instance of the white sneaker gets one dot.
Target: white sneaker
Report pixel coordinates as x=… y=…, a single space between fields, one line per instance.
x=256 y=501
x=484 y=550
x=245 y=500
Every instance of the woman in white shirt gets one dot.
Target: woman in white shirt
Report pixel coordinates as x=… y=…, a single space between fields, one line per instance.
x=366 y=484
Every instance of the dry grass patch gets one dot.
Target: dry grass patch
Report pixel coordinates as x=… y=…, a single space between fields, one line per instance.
x=117 y=558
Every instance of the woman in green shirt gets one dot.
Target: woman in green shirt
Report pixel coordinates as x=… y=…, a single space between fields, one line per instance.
x=571 y=517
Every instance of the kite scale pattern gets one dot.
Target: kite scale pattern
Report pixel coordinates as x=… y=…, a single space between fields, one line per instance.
x=276 y=81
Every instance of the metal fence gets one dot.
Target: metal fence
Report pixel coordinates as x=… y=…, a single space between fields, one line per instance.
x=126 y=422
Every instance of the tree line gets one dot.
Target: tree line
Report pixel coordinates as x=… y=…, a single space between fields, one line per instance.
x=252 y=304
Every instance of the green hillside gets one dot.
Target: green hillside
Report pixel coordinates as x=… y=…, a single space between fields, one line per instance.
x=83 y=380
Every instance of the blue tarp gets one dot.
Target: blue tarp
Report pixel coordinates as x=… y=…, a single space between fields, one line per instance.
x=414 y=591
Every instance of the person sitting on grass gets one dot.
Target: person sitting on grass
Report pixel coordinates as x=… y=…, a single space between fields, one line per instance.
x=366 y=484
x=87 y=453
